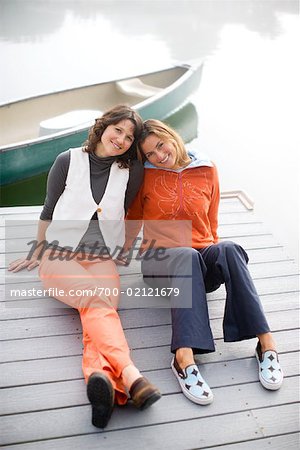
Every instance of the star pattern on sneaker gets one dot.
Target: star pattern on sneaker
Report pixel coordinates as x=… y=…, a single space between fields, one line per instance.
x=193 y=385
x=270 y=372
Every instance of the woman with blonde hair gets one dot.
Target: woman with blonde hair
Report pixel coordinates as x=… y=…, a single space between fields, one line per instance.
x=180 y=198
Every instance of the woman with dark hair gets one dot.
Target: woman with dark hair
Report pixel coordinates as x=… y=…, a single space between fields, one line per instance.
x=179 y=203
x=89 y=190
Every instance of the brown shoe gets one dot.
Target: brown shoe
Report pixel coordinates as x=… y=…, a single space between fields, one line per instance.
x=143 y=393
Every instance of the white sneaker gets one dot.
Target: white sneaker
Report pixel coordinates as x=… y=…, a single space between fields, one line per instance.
x=193 y=386
x=270 y=372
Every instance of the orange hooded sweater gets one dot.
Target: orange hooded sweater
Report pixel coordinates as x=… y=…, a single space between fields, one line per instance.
x=190 y=196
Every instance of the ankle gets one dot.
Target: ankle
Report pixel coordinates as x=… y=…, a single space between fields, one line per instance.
x=184 y=357
x=266 y=342
x=129 y=375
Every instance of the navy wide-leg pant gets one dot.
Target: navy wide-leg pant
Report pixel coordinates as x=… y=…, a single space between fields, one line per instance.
x=198 y=271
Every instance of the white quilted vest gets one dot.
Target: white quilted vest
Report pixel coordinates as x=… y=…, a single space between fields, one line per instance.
x=76 y=205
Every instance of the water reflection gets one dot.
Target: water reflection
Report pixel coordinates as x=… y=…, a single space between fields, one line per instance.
x=29 y=21
x=185 y=122
x=174 y=21
x=62 y=44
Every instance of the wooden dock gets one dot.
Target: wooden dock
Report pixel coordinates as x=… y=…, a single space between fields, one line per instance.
x=43 y=401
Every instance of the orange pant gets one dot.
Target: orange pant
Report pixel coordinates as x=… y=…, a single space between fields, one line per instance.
x=80 y=284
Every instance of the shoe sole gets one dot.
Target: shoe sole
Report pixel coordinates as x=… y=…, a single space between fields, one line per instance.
x=101 y=396
x=193 y=399
x=150 y=400
x=266 y=385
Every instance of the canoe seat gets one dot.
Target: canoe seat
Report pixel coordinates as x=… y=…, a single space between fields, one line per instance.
x=67 y=120
x=137 y=88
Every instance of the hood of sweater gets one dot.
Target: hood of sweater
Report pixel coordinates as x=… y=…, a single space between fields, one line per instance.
x=198 y=159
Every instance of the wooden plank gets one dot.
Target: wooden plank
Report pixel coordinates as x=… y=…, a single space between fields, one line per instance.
x=255 y=256
x=273 y=269
x=18 y=217
x=153 y=322
x=151 y=358
x=43 y=382
x=148 y=360
x=256 y=242
x=178 y=436
x=40 y=371
x=231 y=205
x=258 y=270
x=265 y=286
x=11 y=210
x=75 y=421
x=248 y=242
x=28 y=308
x=70 y=344
x=155 y=437
x=243 y=217
x=273 y=302
x=62 y=394
x=25 y=310
x=130 y=440
x=237 y=225
x=70 y=324
x=241 y=229
x=134 y=292
x=33 y=308
x=268 y=286
x=289 y=441
x=267 y=254
x=288 y=414
x=27 y=230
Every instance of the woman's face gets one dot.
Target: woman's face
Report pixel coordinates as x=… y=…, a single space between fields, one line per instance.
x=160 y=153
x=116 y=139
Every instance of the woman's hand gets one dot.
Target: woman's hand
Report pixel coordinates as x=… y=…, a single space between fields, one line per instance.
x=33 y=261
x=23 y=263
x=123 y=258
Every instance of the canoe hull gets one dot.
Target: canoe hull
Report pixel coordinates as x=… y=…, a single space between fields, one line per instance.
x=34 y=157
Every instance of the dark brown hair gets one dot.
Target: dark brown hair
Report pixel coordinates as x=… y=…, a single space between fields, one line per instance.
x=112 y=117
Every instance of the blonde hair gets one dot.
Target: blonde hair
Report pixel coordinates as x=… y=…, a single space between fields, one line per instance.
x=166 y=134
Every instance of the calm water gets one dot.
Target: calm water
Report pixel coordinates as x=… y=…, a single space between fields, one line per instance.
x=246 y=103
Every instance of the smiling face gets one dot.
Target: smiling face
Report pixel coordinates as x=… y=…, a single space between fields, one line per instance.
x=116 y=139
x=160 y=153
